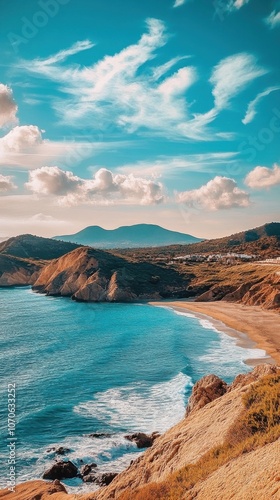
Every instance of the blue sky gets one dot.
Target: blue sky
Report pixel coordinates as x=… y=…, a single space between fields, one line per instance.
x=121 y=112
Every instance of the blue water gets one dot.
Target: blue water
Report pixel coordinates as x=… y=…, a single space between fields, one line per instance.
x=113 y=368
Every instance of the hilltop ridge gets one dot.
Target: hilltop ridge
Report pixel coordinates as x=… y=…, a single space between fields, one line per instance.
x=137 y=235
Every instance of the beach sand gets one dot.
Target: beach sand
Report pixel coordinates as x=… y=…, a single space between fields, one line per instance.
x=261 y=328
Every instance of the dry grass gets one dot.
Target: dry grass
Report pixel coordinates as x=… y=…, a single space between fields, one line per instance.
x=258 y=425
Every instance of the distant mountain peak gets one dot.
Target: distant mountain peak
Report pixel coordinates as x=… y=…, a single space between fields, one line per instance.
x=134 y=236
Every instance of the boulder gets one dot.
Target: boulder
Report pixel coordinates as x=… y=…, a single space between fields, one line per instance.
x=87 y=469
x=90 y=478
x=61 y=470
x=204 y=391
x=59 y=451
x=105 y=478
x=142 y=440
x=100 y=435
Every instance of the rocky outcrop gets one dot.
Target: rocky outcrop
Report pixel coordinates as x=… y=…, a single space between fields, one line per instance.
x=37 y=490
x=61 y=470
x=18 y=272
x=204 y=391
x=263 y=292
x=142 y=440
x=98 y=276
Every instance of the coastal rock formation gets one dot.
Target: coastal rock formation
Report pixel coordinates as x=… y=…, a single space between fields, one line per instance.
x=143 y=440
x=17 y=272
x=204 y=391
x=264 y=292
x=61 y=470
x=37 y=490
x=98 y=276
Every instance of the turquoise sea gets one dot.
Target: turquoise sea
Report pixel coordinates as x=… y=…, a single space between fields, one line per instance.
x=111 y=368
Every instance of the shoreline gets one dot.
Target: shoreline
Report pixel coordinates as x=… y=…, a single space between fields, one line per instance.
x=251 y=326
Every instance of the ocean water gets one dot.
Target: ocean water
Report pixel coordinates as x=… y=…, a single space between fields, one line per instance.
x=110 y=368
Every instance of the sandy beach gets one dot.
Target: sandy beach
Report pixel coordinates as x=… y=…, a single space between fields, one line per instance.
x=261 y=328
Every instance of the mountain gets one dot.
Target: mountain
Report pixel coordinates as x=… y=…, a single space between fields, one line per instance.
x=86 y=274
x=139 y=235
x=27 y=246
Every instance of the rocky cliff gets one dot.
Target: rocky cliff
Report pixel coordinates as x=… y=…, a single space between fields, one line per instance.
x=220 y=450
x=264 y=292
x=95 y=275
x=16 y=272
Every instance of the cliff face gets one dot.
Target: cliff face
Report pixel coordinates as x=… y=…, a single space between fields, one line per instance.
x=15 y=271
x=94 y=275
x=263 y=292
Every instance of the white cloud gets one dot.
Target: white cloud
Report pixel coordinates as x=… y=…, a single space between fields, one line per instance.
x=232 y=75
x=20 y=139
x=263 y=177
x=178 y=3
x=167 y=165
x=6 y=183
x=118 y=89
x=40 y=217
x=273 y=20
x=234 y=5
x=104 y=188
x=64 y=54
x=8 y=107
x=24 y=147
x=252 y=107
x=219 y=193
x=121 y=90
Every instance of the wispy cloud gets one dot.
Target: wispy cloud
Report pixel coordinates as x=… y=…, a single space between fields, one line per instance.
x=232 y=75
x=169 y=165
x=103 y=188
x=263 y=177
x=62 y=55
x=273 y=20
x=252 y=107
x=179 y=3
x=218 y=194
x=233 y=5
x=117 y=90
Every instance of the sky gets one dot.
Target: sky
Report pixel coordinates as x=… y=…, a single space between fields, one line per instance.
x=119 y=112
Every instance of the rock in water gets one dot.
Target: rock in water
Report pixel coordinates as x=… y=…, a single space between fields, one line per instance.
x=61 y=470
x=142 y=440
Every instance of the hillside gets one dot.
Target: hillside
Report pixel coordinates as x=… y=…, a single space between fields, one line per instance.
x=139 y=235
x=263 y=241
x=15 y=271
x=95 y=275
x=27 y=246
x=227 y=446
